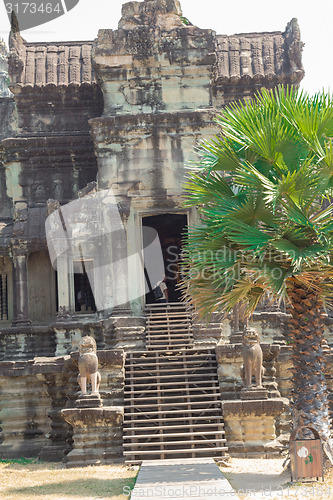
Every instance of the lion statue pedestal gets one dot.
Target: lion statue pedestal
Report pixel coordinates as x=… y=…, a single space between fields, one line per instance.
x=88 y=372
x=97 y=429
x=252 y=358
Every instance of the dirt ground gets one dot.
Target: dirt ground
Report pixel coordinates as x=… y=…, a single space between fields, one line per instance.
x=254 y=479
x=50 y=481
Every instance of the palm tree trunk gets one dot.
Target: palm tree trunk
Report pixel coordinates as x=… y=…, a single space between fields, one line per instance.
x=309 y=394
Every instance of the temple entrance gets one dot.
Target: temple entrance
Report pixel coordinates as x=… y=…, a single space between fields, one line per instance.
x=170 y=229
x=84 y=297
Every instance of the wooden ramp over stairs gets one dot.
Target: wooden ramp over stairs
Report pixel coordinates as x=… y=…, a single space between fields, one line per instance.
x=182 y=479
x=172 y=395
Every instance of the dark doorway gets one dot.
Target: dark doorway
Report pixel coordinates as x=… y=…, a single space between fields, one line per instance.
x=84 y=297
x=170 y=229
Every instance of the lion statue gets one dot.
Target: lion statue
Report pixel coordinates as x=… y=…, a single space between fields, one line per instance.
x=252 y=356
x=88 y=365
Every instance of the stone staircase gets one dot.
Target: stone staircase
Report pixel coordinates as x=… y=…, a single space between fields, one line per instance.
x=168 y=327
x=172 y=395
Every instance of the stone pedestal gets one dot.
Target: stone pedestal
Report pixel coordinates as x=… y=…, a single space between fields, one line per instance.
x=89 y=401
x=250 y=427
x=254 y=393
x=97 y=435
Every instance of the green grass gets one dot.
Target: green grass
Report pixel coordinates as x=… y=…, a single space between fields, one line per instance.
x=21 y=461
x=29 y=479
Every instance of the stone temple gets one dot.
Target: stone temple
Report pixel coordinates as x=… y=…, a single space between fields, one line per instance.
x=95 y=138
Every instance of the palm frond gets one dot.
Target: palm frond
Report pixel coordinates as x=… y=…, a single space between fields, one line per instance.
x=264 y=191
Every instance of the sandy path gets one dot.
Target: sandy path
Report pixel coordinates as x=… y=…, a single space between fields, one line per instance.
x=255 y=479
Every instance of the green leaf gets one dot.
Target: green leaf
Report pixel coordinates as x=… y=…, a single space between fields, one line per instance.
x=246 y=235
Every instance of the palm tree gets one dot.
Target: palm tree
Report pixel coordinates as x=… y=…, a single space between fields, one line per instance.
x=263 y=188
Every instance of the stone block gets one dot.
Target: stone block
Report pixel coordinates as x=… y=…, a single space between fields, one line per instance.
x=97 y=435
x=254 y=393
x=24 y=423
x=250 y=426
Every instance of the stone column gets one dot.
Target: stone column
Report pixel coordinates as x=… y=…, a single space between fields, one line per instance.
x=65 y=287
x=20 y=286
x=120 y=267
x=136 y=284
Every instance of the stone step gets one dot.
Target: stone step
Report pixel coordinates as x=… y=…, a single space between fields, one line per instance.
x=175 y=434
x=174 y=390
x=172 y=363
x=181 y=422
x=171 y=404
x=182 y=383
x=181 y=442
x=178 y=452
x=175 y=334
x=135 y=376
x=168 y=341
x=189 y=355
x=184 y=411
x=166 y=404
x=169 y=347
x=186 y=426
x=155 y=400
x=161 y=370
x=171 y=305
x=155 y=320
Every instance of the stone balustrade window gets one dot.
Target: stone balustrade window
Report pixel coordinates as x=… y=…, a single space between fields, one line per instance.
x=3 y=297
